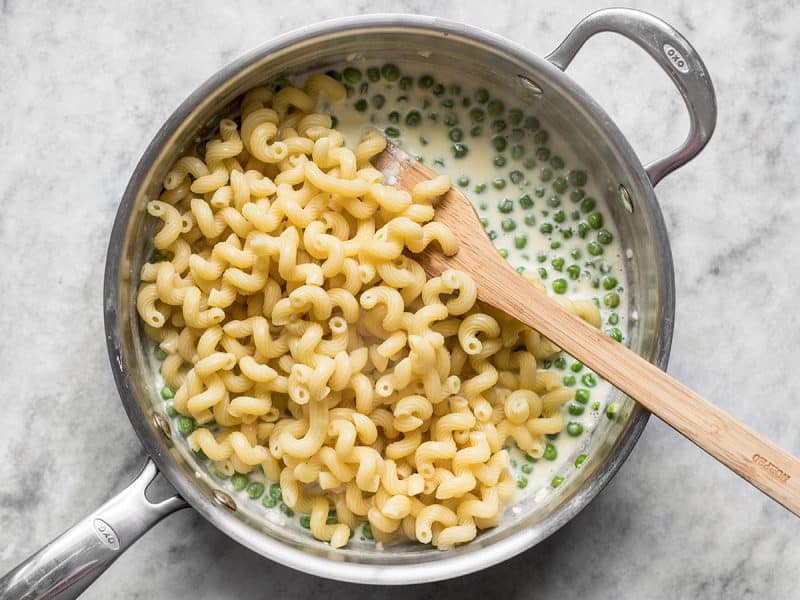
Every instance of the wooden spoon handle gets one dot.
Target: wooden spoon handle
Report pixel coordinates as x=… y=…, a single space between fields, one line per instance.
x=765 y=465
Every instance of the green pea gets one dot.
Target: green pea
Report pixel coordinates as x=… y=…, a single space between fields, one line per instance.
x=576 y=410
x=508 y=224
x=390 y=72
x=367 y=531
x=557 y=163
x=159 y=353
x=462 y=181
x=516 y=177
x=492 y=235
x=515 y=116
x=361 y=105
x=577 y=178
x=574 y=428
x=495 y=107
x=285 y=510
x=413 y=118
x=530 y=220
x=333 y=74
x=529 y=163
x=574 y=272
x=604 y=236
x=540 y=137
x=545 y=175
x=498 y=125
x=373 y=74
x=558 y=265
x=596 y=405
x=505 y=206
x=392 y=132
x=546 y=228
x=553 y=201
x=576 y=367
x=560 y=286
x=454 y=89
x=609 y=283
x=378 y=100
x=425 y=82
x=406 y=82
x=498 y=183
x=525 y=201
x=477 y=115
x=170 y=408
x=351 y=75
x=542 y=272
x=559 y=217
x=576 y=253
x=239 y=481
x=594 y=248
x=569 y=380
x=520 y=269
x=331 y=520
x=167 y=393
x=476 y=131
x=605 y=268
x=527 y=468
x=466 y=102
x=438 y=89
x=547 y=363
x=305 y=522
x=482 y=96
x=531 y=123
x=275 y=492
x=555 y=245
x=450 y=119
x=517 y=151
x=499 y=161
x=185 y=425
x=613 y=318
x=559 y=184
x=499 y=143
x=520 y=241
x=576 y=195
x=255 y=490
x=394 y=117
x=615 y=334
x=541 y=257
x=459 y=150
x=589 y=380
x=542 y=154
x=612 y=410
x=484 y=222
x=268 y=501
x=560 y=362
x=583 y=229
x=155 y=255
x=580 y=460
x=480 y=188
x=588 y=204
x=611 y=299
x=595 y=220
x=539 y=192
x=556 y=481
x=503 y=252
x=550 y=452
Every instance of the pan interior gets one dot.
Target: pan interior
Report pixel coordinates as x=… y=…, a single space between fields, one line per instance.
x=476 y=60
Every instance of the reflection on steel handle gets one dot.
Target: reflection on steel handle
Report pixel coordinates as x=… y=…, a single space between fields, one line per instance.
x=673 y=54
x=69 y=564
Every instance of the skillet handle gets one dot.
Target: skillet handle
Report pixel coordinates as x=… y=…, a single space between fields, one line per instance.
x=674 y=55
x=65 y=567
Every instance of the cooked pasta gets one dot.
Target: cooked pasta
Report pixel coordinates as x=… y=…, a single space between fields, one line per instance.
x=303 y=341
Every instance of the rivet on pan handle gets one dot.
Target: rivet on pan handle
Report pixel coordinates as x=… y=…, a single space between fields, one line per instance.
x=65 y=567
x=674 y=55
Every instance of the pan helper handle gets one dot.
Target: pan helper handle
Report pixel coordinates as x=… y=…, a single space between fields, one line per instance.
x=674 y=55
x=69 y=564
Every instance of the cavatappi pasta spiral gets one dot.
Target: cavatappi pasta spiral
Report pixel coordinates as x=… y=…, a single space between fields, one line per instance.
x=303 y=341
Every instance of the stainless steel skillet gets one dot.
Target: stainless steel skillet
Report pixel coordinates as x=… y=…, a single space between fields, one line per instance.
x=66 y=566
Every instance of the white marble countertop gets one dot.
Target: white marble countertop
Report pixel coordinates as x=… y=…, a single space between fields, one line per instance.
x=85 y=87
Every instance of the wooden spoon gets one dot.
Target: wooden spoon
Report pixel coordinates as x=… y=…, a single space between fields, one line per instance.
x=765 y=465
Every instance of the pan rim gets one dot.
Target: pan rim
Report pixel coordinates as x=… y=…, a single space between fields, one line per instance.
x=272 y=548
